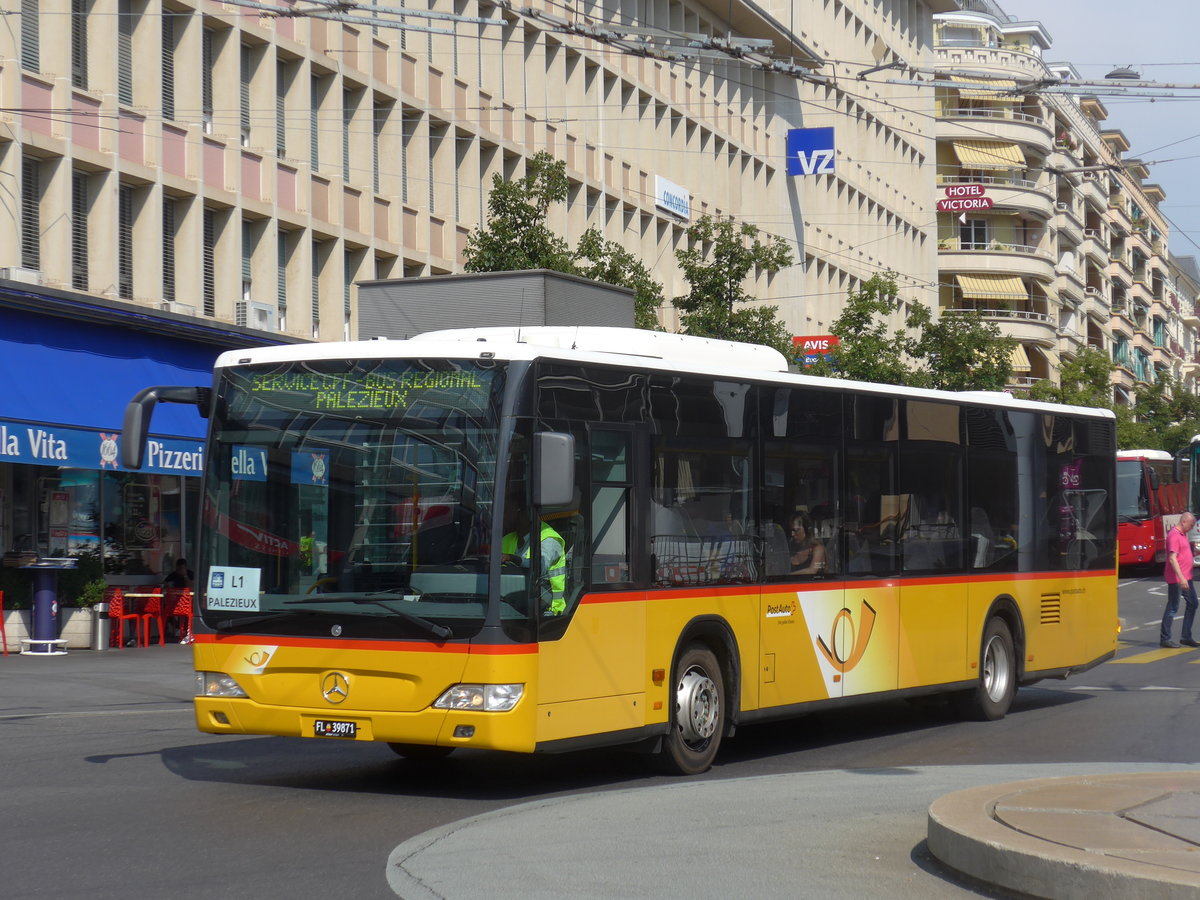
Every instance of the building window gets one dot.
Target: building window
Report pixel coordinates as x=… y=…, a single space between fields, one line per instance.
x=79 y=45
x=125 y=24
x=168 y=248
x=79 y=231
x=31 y=213
x=125 y=242
x=168 y=65
x=282 y=80
x=210 y=262
x=246 y=72
x=972 y=234
x=30 y=37
x=314 y=126
x=315 y=290
x=347 y=123
x=207 y=60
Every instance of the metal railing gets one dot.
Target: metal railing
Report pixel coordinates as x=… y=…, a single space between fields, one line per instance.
x=1022 y=315
x=976 y=112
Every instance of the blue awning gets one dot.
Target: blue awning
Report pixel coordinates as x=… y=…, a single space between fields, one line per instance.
x=65 y=372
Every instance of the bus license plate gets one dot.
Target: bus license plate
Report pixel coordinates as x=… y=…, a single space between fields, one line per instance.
x=329 y=728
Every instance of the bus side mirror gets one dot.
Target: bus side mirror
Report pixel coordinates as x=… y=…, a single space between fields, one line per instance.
x=554 y=456
x=1153 y=480
x=1177 y=469
x=136 y=427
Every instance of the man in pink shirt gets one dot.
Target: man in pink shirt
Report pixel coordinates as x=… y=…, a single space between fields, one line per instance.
x=1178 y=575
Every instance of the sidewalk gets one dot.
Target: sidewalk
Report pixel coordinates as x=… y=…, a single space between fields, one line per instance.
x=1103 y=836
x=831 y=834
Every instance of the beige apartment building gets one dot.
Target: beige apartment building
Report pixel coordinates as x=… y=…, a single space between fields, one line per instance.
x=1059 y=238
x=248 y=162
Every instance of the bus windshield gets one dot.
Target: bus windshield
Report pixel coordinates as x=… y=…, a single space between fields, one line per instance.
x=1132 y=502
x=352 y=498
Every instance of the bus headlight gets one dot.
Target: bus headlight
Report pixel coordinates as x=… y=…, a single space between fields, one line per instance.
x=217 y=684
x=481 y=697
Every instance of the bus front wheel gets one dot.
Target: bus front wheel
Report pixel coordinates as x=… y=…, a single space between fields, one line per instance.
x=698 y=706
x=991 y=698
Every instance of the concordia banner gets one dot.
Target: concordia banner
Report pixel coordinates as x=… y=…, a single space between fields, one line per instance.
x=82 y=448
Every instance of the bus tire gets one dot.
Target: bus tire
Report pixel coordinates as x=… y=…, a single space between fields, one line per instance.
x=421 y=752
x=698 y=714
x=992 y=697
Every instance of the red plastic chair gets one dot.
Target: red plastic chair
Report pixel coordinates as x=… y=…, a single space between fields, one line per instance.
x=3 y=633
x=119 y=614
x=152 y=611
x=177 y=604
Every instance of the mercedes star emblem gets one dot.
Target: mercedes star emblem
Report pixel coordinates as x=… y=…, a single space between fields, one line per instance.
x=334 y=687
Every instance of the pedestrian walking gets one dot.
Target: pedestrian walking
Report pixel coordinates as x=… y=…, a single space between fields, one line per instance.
x=1178 y=575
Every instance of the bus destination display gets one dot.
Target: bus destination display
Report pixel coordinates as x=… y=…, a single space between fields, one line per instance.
x=379 y=390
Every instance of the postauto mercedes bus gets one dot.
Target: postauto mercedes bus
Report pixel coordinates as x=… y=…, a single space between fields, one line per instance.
x=543 y=539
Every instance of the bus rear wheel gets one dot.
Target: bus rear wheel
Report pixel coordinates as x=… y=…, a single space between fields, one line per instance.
x=698 y=706
x=992 y=697
x=420 y=752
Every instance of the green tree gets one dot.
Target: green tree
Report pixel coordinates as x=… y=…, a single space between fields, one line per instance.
x=607 y=261
x=868 y=350
x=1083 y=380
x=517 y=236
x=958 y=352
x=719 y=256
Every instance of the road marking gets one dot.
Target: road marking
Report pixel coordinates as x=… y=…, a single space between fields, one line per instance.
x=1152 y=655
x=87 y=713
x=1126 y=690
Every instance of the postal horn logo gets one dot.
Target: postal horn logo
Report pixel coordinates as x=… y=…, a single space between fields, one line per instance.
x=849 y=642
x=335 y=687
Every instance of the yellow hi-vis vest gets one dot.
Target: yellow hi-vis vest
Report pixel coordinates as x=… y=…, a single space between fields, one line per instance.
x=556 y=575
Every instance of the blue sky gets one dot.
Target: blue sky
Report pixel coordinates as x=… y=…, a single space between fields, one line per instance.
x=1160 y=39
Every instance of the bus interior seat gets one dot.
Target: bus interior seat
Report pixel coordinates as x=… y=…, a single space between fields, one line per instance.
x=778 y=557
x=981 y=534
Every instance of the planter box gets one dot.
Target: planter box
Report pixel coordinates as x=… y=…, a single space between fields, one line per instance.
x=73 y=624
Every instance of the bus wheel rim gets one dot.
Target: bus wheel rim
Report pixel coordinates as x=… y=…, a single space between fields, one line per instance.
x=996 y=674
x=699 y=706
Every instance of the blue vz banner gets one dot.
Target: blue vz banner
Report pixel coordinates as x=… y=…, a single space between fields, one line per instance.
x=810 y=151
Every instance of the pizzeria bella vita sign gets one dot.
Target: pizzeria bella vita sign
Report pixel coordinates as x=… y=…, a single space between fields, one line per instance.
x=964 y=197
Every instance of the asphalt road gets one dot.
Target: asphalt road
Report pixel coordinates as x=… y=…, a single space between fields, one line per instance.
x=110 y=792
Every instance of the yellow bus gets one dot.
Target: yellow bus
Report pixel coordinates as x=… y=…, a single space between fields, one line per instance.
x=543 y=539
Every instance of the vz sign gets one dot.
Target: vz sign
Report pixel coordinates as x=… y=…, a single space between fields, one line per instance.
x=810 y=151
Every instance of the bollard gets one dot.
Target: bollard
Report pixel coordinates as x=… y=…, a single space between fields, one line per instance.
x=100 y=627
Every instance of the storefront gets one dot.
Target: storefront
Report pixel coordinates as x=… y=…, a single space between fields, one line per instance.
x=69 y=364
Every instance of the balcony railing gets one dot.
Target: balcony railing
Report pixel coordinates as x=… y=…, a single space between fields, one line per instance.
x=984 y=112
x=1008 y=180
x=992 y=246
x=1022 y=315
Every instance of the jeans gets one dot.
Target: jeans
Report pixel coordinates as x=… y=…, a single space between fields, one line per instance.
x=1189 y=611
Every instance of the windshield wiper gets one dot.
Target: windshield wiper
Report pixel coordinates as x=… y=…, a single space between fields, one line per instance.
x=246 y=622
x=441 y=632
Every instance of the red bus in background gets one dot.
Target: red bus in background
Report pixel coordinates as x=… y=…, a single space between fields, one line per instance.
x=1152 y=492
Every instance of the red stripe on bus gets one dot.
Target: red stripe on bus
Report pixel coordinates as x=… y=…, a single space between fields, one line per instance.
x=333 y=643
x=635 y=596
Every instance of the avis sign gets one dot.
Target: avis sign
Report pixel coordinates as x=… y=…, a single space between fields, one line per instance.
x=807 y=349
x=810 y=151
x=962 y=197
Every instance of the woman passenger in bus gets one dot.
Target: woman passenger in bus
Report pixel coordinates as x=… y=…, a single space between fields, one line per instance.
x=807 y=553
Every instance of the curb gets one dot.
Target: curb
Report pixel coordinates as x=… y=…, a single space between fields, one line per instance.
x=965 y=834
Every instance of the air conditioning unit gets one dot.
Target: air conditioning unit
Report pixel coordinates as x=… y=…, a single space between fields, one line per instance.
x=22 y=274
x=183 y=309
x=251 y=314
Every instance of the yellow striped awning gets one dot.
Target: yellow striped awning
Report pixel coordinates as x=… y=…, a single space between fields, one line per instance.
x=992 y=287
x=989 y=154
x=978 y=90
x=1020 y=359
